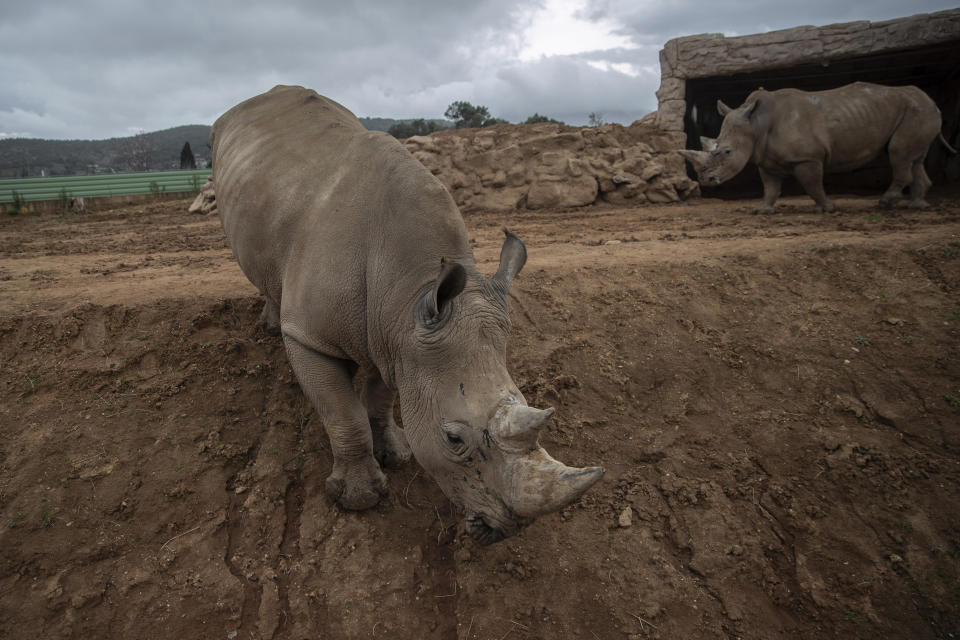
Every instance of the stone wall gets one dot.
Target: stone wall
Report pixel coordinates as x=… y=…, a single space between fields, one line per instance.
x=710 y=55
x=546 y=165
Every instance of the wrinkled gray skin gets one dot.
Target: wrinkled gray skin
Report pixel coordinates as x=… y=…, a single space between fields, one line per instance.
x=365 y=265
x=807 y=134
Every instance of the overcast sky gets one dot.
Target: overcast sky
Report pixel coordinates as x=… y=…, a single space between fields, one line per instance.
x=77 y=69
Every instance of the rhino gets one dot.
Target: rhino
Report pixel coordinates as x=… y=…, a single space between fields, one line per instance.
x=806 y=134
x=364 y=263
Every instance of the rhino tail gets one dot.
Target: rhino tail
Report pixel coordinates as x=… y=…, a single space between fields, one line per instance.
x=946 y=144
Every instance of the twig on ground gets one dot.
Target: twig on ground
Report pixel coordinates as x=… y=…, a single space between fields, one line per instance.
x=642 y=621
x=406 y=491
x=177 y=536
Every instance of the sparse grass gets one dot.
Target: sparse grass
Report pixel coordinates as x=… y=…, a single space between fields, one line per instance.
x=17 y=519
x=875 y=218
x=46 y=518
x=862 y=341
x=951 y=400
x=952 y=250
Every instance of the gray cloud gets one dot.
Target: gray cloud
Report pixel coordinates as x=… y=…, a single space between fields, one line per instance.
x=95 y=69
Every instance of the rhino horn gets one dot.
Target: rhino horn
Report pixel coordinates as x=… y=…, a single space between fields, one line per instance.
x=708 y=144
x=537 y=483
x=519 y=424
x=541 y=485
x=696 y=158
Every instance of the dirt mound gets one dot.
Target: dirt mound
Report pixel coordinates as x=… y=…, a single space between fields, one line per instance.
x=776 y=400
x=545 y=165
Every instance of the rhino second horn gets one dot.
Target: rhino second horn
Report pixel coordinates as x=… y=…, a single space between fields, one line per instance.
x=520 y=423
x=541 y=485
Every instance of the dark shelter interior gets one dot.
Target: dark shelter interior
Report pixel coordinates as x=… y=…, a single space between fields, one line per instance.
x=933 y=68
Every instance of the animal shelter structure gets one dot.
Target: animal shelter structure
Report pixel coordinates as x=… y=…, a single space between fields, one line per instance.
x=921 y=50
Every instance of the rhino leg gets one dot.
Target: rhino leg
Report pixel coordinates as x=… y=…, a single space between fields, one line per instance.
x=918 y=188
x=810 y=176
x=771 y=191
x=389 y=442
x=356 y=481
x=270 y=318
x=902 y=175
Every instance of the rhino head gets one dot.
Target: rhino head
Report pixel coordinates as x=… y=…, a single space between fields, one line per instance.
x=465 y=420
x=725 y=156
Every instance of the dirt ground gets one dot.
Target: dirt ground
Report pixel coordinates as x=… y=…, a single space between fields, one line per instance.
x=776 y=400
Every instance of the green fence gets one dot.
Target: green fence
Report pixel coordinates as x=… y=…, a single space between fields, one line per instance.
x=106 y=185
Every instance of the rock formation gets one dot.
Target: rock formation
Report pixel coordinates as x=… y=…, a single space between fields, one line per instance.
x=206 y=201
x=549 y=165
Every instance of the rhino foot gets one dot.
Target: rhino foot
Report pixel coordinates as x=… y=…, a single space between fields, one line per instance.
x=270 y=319
x=764 y=209
x=358 y=485
x=827 y=207
x=918 y=204
x=390 y=447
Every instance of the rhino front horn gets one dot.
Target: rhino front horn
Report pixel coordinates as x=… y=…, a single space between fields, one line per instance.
x=542 y=485
x=696 y=158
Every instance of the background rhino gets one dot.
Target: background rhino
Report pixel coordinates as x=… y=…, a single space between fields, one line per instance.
x=365 y=265
x=805 y=134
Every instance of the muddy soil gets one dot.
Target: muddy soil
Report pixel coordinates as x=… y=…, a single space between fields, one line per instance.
x=776 y=400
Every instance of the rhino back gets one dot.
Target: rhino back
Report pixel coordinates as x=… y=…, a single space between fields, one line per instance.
x=852 y=124
x=340 y=226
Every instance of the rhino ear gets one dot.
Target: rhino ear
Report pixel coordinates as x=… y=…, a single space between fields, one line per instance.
x=513 y=255
x=722 y=108
x=448 y=285
x=750 y=109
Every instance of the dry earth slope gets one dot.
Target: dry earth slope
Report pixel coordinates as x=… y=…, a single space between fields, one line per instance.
x=775 y=399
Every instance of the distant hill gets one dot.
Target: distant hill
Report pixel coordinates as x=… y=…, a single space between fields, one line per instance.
x=155 y=151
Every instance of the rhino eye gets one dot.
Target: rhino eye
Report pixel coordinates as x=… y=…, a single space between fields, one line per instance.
x=452 y=433
x=726 y=151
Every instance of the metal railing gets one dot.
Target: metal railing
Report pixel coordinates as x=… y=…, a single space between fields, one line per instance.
x=105 y=185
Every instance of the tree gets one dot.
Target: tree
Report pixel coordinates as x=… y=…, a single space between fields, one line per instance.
x=596 y=119
x=536 y=118
x=466 y=115
x=418 y=127
x=187 y=161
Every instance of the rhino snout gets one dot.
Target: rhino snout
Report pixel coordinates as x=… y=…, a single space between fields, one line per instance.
x=481 y=530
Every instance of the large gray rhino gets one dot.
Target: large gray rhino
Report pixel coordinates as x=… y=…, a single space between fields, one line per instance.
x=806 y=134
x=365 y=265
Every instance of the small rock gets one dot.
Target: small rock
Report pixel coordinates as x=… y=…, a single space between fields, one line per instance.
x=231 y=635
x=897 y=322
x=239 y=490
x=612 y=242
x=626 y=518
x=895 y=559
